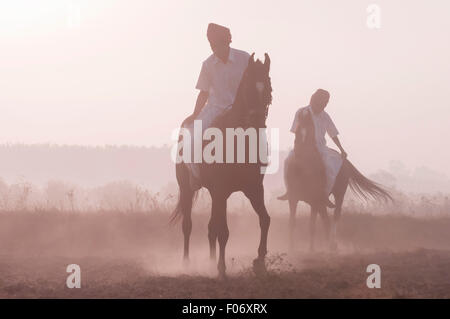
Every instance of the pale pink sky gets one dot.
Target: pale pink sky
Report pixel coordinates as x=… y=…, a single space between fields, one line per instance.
x=125 y=74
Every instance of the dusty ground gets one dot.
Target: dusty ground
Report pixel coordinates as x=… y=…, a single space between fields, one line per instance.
x=139 y=256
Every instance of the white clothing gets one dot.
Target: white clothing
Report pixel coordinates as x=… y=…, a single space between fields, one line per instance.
x=221 y=81
x=323 y=124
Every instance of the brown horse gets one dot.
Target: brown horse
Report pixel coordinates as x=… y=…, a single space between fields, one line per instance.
x=249 y=111
x=304 y=176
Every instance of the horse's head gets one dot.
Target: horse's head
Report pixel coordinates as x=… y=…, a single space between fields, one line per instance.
x=305 y=135
x=255 y=92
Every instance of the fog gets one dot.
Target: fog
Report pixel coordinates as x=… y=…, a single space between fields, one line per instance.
x=123 y=72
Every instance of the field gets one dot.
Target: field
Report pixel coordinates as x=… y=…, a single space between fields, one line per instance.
x=138 y=255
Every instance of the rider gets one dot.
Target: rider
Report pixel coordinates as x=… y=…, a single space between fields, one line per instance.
x=331 y=160
x=218 y=83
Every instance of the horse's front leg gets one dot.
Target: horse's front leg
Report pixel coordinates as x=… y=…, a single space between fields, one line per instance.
x=256 y=197
x=219 y=229
x=326 y=221
x=212 y=237
x=312 y=228
x=292 y=223
x=333 y=233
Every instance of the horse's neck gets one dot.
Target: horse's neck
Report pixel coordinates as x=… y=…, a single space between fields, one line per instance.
x=237 y=115
x=234 y=117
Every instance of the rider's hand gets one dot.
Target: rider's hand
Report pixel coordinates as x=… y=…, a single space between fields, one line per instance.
x=343 y=154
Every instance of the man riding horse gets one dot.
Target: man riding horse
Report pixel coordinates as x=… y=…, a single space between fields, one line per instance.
x=218 y=83
x=312 y=171
x=235 y=93
x=328 y=162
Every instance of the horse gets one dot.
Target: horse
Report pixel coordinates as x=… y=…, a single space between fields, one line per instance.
x=249 y=111
x=304 y=177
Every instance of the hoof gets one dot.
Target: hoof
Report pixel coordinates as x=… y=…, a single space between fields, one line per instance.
x=212 y=268
x=222 y=276
x=259 y=267
x=186 y=264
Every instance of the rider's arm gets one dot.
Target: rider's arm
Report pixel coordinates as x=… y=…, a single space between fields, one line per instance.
x=201 y=101
x=203 y=84
x=338 y=144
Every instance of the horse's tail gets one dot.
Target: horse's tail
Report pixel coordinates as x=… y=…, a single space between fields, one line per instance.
x=186 y=195
x=364 y=187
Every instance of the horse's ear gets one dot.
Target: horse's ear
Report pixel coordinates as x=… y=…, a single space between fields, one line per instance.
x=267 y=62
x=251 y=58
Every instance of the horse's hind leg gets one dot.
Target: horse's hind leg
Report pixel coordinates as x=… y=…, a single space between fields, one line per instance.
x=339 y=193
x=292 y=221
x=185 y=205
x=256 y=197
x=339 y=198
x=186 y=202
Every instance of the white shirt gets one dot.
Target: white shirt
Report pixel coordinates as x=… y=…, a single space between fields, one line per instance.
x=323 y=124
x=221 y=80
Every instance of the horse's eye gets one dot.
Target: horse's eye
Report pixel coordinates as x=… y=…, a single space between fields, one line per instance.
x=260 y=86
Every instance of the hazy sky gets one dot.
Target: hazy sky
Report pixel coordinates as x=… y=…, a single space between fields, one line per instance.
x=123 y=72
